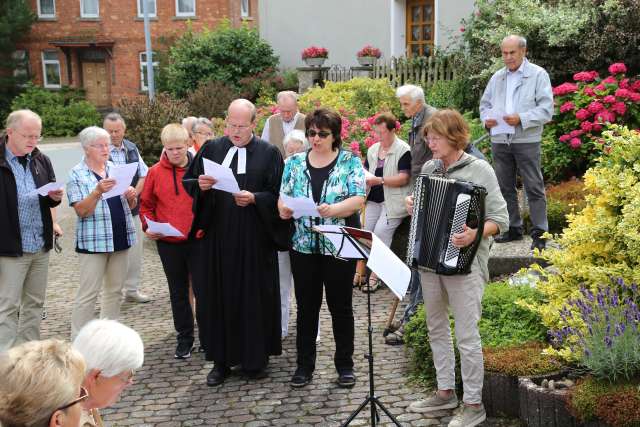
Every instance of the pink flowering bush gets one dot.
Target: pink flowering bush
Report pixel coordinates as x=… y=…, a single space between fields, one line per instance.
x=584 y=108
x=369 y=50
x=358 y=134
x=315 y=52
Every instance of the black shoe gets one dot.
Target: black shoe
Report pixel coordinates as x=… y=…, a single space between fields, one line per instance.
x=509 y=236
x=346 y=379
x=217 y=376
x=257 y=374
x=301 y=378
x=183 y=350
x=538 y=243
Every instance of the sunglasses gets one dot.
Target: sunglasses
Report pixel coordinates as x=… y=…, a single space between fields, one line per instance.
x=322 y=134
x=83 y=396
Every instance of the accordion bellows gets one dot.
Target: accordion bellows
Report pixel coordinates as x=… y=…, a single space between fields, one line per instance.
x=441 y=208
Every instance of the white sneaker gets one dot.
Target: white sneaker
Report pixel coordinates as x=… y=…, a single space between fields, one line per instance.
x=434 y=403
x=469 y=416
x=136 y=297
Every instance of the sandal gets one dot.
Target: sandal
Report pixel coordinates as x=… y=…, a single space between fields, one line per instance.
x=372 y=286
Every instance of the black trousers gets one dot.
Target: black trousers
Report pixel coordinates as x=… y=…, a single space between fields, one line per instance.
x=310 y=273
x=177 y=262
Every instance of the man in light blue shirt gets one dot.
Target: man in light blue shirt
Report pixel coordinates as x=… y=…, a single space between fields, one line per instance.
x=521 y=92
x=122 y=151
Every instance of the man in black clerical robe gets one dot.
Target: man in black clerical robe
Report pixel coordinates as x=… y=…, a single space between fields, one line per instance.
x=236 y=283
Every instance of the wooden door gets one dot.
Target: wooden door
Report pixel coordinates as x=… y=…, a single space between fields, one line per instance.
x=94 y=77
x=420 y=27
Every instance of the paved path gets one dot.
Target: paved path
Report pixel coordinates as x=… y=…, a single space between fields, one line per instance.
x=169 y=392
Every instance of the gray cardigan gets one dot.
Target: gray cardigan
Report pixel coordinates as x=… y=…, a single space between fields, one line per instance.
x=533 y=101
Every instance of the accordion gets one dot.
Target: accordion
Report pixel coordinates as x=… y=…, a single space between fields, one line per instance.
x=442 y=206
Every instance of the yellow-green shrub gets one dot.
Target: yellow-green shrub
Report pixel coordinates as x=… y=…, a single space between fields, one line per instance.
x=362 y=95
x=603 y=240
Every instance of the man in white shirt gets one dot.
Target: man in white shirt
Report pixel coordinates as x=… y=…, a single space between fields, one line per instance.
x=287 y=119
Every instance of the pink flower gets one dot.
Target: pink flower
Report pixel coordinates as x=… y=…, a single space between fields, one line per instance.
x=619 y=108
x=576 y=133
x=565 y=88
x=355 y=147
x=585 y=76
x=369 y=141
x=589 y=91
x=369 y=50
x=600 y=87
x=462 y=29
x=605 y=116
x=565 y=138
x=617 y=68
x=635 y=86
x=609 y=99
x=567 y=106
x=586 y=126
x=610 y=80
x=575 y=143
x=635 y=97
x=624 y=83
x=623 y=93
x=597 y=127
x=582 y=114
x=315 y=52
x=595 y=106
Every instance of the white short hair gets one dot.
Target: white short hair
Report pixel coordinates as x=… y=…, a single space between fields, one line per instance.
x=296 y=135
x=287 y=94
x=110 y=347
x=412 y=91
x=92 y=133
x=522 y=42
x=16 y=117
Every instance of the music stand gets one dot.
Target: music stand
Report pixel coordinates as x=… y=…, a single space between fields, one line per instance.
x=352 y=235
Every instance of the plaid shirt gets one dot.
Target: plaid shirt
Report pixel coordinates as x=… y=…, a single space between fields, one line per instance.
x=95 y=233
x=119 y=157
x=29 y=216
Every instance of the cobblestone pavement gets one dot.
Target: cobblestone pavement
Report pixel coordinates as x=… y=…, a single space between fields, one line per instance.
x=170 y=392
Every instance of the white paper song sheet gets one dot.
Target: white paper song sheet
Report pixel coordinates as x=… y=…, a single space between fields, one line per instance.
x=388 y=267
x=343 y=245
x=164 y=228
x=123 y=174
x=45 y=189
x=502 y=127
x=301 y=206
x=226 y=180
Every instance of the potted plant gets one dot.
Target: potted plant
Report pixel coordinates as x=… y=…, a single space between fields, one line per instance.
x=315 y=56
x=367 y=55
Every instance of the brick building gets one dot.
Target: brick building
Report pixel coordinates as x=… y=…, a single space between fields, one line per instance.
x=99 y=44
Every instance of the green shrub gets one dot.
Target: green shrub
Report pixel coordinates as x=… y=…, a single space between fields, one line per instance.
x=504 y=322
x=520 y=360
x=225 y=54
x=290 y=79
x=446 y=94
x=265 y=84
x=63 y=112
x=145 y=120
x=363 y=96
x=210 y=99
x=616 y=404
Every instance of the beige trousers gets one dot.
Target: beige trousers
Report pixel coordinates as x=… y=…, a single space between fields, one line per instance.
x=23 y=284
x=134 y=272
x=463 y=295
x=103 y=271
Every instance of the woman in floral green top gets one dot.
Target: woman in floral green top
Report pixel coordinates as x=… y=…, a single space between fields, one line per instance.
x=334 y=178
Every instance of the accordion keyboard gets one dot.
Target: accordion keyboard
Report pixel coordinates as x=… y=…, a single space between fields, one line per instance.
x=457 y=226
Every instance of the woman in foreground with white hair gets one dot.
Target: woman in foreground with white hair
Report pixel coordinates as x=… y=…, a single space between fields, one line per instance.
x=112 y=353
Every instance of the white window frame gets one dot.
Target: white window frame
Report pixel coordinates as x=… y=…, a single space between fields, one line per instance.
x=46 y=15
x=143 y=71
x=178 y=13
x=151 y=15
x=83 y=14
x=245 y=8
x=46 y=62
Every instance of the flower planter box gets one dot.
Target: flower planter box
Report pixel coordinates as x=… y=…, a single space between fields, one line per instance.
x=366 y=60
x=315 y=62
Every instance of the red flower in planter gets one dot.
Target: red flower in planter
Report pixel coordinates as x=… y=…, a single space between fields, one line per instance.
x=617 y=68
x=585 y=76
x=315 y=52
x=369 y=50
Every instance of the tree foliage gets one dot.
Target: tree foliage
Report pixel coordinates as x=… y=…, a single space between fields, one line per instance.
x=224 y=54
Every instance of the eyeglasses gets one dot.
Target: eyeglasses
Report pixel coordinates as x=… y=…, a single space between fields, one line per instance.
x=126 y=377
x=434 y=138
x=34 y=137
x=322 y=134
x=99 y=146
x=83 y=396
x=208 y=134
x=237 y=127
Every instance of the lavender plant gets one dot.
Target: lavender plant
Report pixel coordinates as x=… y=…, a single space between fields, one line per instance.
x=605 y=329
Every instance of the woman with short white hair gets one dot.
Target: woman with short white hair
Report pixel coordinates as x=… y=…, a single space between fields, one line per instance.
x=41 y=385
x=104 y=230
x=112 y=352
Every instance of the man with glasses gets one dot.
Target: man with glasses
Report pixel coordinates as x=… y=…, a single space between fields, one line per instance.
x=26 y=228
x=236 y=274
x=287 y=119
x=123 y=151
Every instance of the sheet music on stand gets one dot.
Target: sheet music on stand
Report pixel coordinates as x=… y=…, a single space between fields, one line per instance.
x=355 y=243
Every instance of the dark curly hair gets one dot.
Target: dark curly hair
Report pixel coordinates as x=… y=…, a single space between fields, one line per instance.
x=323 y=118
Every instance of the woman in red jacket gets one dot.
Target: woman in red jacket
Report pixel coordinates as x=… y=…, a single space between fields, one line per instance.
x=164 y=200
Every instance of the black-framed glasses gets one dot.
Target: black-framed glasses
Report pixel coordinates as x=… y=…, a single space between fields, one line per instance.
x=322 y=134
x=83 y=396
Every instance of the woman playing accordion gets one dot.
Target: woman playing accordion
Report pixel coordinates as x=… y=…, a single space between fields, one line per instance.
x=447 y=134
